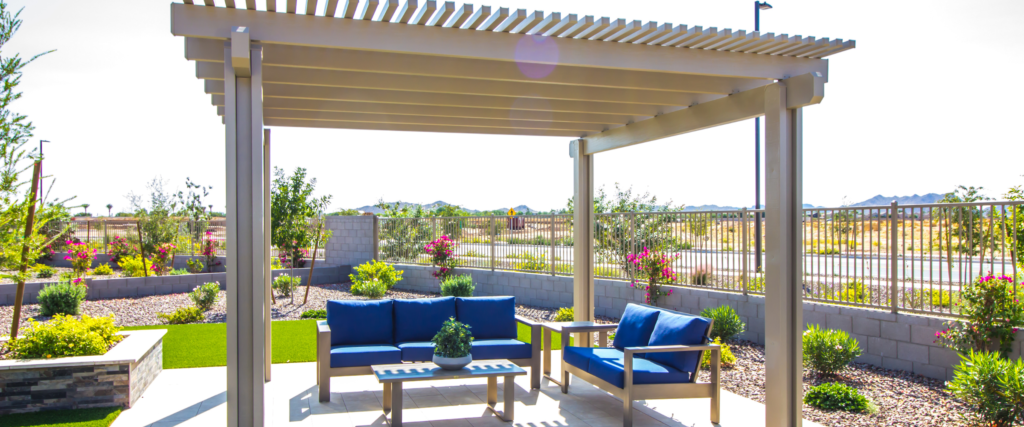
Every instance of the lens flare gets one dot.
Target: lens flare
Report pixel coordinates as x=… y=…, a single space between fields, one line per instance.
x=536 y=56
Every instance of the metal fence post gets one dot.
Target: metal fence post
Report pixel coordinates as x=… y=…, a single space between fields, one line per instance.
x=746 y=251
x=552 y=244
x=105 y=238
x=893 y=266
x=376 y=240
x=493 y=232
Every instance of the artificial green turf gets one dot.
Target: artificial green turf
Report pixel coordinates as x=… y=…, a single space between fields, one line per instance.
x=205 y=344
x=93 y=417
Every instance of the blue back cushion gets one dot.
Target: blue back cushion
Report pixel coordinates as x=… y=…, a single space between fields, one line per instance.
x=488 y=317
x=635 y=327
x=360 y=322
x=679 y=329
x=420 y=319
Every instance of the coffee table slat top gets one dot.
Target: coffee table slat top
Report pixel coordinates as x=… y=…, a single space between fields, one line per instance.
x=428 y=371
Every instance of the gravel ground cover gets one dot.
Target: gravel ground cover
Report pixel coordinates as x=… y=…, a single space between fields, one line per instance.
x=903 y=398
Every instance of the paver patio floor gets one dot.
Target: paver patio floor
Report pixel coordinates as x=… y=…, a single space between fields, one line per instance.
x=197 y=397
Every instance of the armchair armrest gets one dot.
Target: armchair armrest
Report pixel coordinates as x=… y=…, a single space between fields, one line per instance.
x=526 y=321
x=322 y=327
x=670 y=348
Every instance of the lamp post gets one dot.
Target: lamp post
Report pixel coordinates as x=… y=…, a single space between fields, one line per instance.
x=41 y=141
x=758 y=7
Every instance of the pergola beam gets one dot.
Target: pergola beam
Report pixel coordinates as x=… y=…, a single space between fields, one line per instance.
x=803 y=90
x=414 y=128
x=319 y=31
x=365 y=80
x=579 y=128
x=206 y=50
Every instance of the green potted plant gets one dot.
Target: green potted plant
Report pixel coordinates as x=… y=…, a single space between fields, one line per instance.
x=452 y=344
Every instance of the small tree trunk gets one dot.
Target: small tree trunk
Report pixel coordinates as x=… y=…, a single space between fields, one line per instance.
x=20 y=292
x=312 y=262
x=142 y=249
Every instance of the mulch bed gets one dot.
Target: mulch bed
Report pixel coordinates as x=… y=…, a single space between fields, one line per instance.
x=903 y=398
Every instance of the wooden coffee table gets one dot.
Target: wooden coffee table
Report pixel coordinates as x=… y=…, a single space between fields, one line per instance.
x=392 y=377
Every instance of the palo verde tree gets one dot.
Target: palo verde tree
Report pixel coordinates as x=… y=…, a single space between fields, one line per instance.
x=23 y=214
x=157 y=220
x=193 y=209
x=964 y=225
x=291 y=206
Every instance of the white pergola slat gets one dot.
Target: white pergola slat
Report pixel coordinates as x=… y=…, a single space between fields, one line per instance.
x=416 y=66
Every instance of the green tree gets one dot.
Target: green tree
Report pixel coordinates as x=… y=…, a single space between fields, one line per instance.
x=1012 y=221
x=157 y=220
x=193 y=209
x=964 y=225
x=19 y=243
x=291 y=205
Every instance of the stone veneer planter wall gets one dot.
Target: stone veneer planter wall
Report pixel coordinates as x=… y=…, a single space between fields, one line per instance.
x=161 y=285
x=117 y=378
x=894 y=341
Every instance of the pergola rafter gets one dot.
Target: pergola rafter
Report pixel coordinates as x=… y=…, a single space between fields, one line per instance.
x=405 y=65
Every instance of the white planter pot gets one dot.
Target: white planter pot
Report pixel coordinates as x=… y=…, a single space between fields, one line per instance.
x=452 y=363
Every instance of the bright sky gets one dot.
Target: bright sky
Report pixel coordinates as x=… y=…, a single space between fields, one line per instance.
x=915 y=108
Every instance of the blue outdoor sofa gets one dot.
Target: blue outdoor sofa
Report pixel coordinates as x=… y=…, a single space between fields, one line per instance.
x=655 y=355
x=358 y=334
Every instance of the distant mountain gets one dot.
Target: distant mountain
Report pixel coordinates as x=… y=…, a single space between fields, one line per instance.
x=881 y=200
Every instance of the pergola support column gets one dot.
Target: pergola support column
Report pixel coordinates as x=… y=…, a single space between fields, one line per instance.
x=246 y=327
x=582 y=234
x=783 y=290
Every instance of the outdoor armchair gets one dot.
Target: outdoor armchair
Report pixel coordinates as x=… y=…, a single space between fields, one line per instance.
x=655 y=355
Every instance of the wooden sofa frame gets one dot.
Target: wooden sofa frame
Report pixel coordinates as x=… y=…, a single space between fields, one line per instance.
x=324 y=371
x=633 y=392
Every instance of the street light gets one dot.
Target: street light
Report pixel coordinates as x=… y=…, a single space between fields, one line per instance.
x=758 y=7
x=40 y=194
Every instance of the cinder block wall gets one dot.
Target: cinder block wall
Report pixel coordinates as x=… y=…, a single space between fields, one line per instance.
x=351 y=242
x=894 y=341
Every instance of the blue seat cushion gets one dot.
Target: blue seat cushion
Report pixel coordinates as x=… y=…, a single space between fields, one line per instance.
x=679 y=329
x=420 y=319
x=580 y=356
x=635 y=327
x=344 y=356
x=500 y=349
x=360 y=322
x=488 y=317
x=417 y=351
x=645 y=371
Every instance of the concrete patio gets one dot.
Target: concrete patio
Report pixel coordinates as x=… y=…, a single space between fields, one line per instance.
x=197 y=397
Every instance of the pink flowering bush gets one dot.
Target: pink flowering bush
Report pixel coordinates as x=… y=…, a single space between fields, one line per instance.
x=209 y=251
x=119 y=247
x=81 y=257
x=442 y=255
x=653 y=268
x=993 y=311
x=161 y=260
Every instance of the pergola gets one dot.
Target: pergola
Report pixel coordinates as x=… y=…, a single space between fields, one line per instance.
x=604 y=83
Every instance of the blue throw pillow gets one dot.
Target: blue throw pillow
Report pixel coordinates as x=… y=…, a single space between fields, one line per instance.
x=678 y=329
x=360 y=322
x=420 y=319
x=488 y=317
x=635 y=327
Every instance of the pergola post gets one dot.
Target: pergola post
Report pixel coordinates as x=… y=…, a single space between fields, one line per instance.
x=783 y=290
x=246 y=354
x=267 y=272
x=582 y=234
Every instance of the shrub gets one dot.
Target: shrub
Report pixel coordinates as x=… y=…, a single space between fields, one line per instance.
x=836 y=396
x=314 y=314
x=756 y=284
x=131 y=266
x=702 y=275
x=727 y=323
x=941 y=298
x=66 y=336
x=453 y=340
x=178 y=272
x=205 y=296
x=285 y=284
x=442 y=255
x=725 y=356
x=119 y=248
x=374 y=274
x=160 y=262
x=855 y=291
x=44 y=271
x=195 y=266
x=565 y=314
x=81 y=256
x=275 y=264
x=458 y=286
x=66 y=276
x=62 y=298
x=209 y=251
x=993 y=387
x=993 y=314
x=828 y=351
x=652 y=270
x=182 y=316
x=103 y=270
